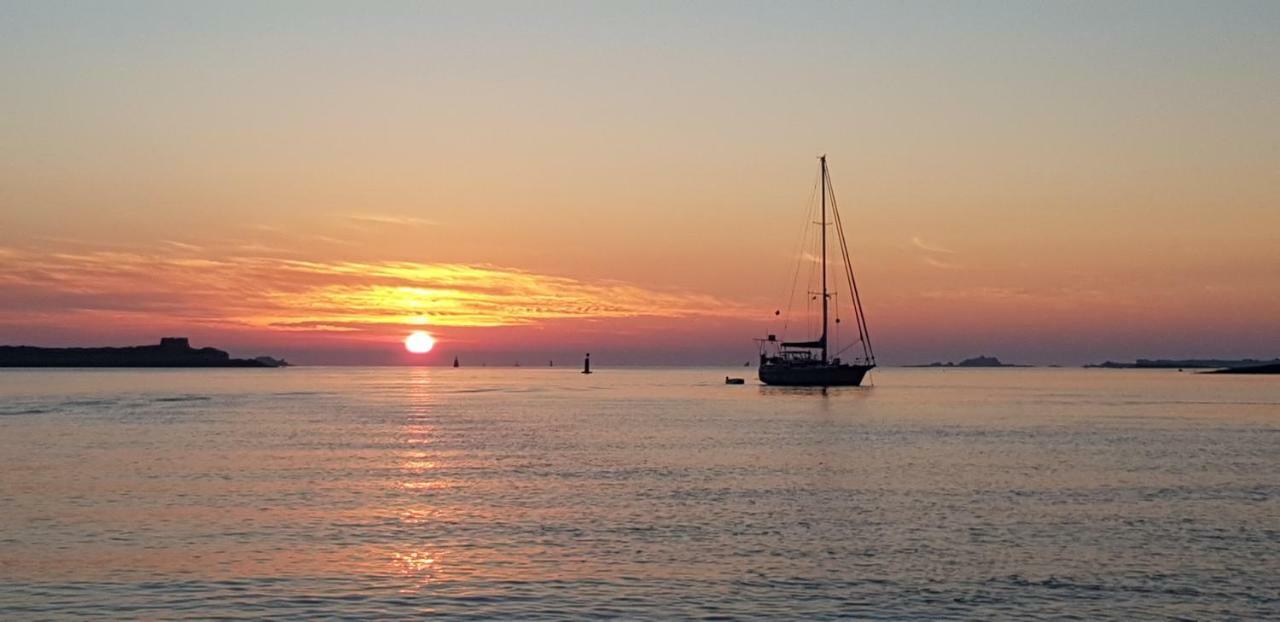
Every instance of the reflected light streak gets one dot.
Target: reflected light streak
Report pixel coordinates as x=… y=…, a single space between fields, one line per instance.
x=419 y=567
x=418 y=467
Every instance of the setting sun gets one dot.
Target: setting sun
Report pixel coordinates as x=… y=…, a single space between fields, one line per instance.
x=419 y=342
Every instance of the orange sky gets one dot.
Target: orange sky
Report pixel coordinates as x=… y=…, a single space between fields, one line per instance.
x=1041 y=183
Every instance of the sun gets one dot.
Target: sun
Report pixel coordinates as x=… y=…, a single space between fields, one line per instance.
x=419 y=342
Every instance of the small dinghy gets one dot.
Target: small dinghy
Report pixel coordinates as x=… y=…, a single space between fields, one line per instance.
x=728 y=380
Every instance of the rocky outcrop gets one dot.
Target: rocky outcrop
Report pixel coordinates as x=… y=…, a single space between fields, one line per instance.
x=171 y=352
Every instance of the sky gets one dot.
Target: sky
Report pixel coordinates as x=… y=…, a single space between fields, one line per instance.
x=1044 y=182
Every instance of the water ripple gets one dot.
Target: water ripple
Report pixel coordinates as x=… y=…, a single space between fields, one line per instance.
x=645 y=494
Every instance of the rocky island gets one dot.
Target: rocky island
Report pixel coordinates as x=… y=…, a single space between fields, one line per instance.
x=977 y=361
x=1272 y=368
x=171 y=352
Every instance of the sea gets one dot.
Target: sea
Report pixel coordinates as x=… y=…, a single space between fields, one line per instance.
x=484 y=493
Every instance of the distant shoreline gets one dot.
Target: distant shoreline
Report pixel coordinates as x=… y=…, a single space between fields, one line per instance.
x=1185 y=364
x=171 y=352
x=977 y=361
x=1273 y=368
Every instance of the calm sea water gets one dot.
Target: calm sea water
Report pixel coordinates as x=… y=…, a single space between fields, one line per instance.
x=538 y=493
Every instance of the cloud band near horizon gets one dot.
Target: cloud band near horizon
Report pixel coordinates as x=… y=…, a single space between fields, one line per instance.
x=274 y=294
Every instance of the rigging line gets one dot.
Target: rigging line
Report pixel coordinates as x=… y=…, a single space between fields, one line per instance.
x=835 y=285
x=815 y=292
x=861 y=319
x=795 y=278
x=844 y=250
x=846 y=348
x=836 y=222
x=836 y=330
x=835 y=282
x=812 y=267
x=864 y=331
x=809 y=297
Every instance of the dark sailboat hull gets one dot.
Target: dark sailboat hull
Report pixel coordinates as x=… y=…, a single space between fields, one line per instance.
x=805 y=363
x=814 y=375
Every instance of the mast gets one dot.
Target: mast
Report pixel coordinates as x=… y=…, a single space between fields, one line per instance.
x=823 y=159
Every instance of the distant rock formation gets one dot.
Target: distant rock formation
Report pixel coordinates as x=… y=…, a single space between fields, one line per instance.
x=1186 y=363
x=171 y=352
x=1272 y=368
x=982 y=361
x=977 y=361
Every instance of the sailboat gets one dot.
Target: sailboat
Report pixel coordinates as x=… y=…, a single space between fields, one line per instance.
x=813 y=363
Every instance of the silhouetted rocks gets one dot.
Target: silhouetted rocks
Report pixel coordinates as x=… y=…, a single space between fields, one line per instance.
x=1272 y=368
x=171 y=352
x=1186 y=363
x=977 y=361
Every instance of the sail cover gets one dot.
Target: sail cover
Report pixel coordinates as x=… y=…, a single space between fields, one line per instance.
x=820 y=343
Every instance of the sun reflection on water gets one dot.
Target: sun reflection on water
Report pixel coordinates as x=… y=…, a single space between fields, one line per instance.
x=419 y=568
x=423 y=485
x=419 y=470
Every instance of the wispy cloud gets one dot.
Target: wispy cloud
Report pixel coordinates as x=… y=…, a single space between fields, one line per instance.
x=384 y=219
x=976 y=293
x=940 y=264
x=932 y=248
x=931 y=258
x=328 y=239
x=261 y=249
x=186 y=246
x=288 y=294
x=1052 y=294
